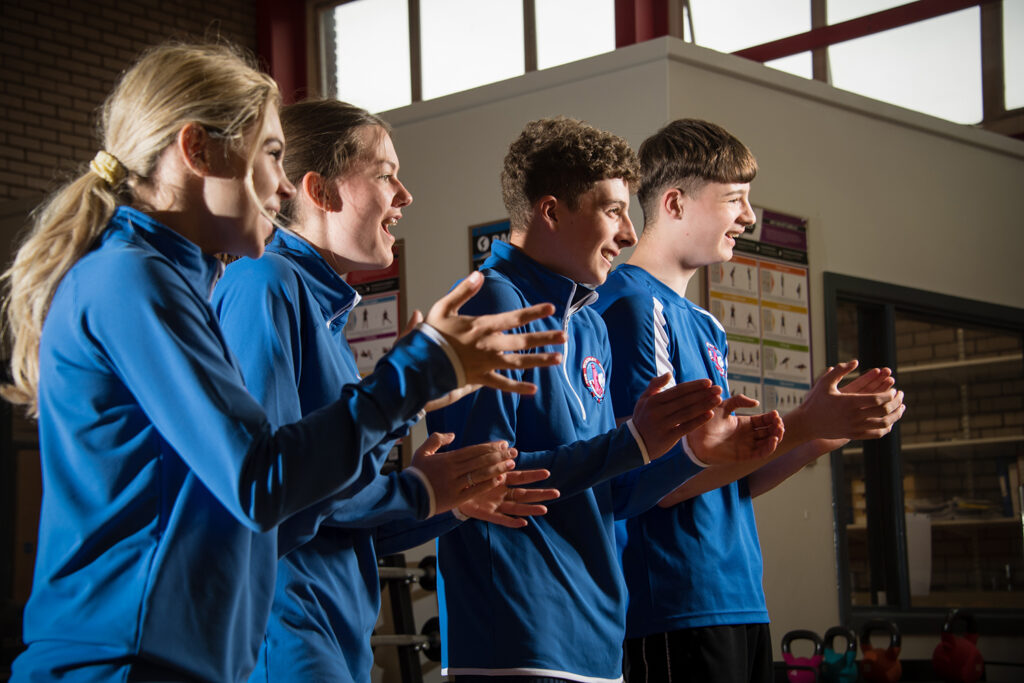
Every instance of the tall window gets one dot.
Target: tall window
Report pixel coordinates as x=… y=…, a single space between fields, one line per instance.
x=457 y=44
x=371 y=53
x=1013 y=53
x=569 y=30
x=467 y=43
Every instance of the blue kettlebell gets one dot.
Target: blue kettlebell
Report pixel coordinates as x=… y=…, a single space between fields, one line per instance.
x=836 y=666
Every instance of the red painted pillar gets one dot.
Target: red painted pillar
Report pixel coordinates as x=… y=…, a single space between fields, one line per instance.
x=640 y=20
x=281 y=45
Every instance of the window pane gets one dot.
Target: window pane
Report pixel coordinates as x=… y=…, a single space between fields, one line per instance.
x=933 y=66
x=962 y=448
x=798 y=65
x=568 y=30
x=844 y=10
x=467 y=43
x=1013 y=53
x=372 y=38
x=730 y=25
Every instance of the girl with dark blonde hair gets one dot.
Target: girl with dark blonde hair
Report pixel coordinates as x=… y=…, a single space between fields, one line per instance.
x=162 y=476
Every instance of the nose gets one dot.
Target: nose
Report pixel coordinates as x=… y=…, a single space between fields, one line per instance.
x=403 y=197
x=748 y=217
x=627 y=235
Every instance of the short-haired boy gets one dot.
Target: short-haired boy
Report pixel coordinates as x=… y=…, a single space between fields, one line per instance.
x=693 y=564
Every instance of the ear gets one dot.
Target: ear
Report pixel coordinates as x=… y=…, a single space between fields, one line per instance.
x=316 y=190
x=672 y=203
x=546 y=209
x=193 y=143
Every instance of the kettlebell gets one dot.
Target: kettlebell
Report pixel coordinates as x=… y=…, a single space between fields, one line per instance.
x=808 y=671
x=881 y=666
x=956 y=658
x=836 y=666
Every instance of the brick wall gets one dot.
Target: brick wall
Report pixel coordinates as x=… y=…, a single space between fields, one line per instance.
x=61 y=58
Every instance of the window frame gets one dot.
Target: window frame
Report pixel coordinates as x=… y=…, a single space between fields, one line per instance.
x=886 y=530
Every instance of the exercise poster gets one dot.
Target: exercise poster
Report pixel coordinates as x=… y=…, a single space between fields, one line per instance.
x=761 y=299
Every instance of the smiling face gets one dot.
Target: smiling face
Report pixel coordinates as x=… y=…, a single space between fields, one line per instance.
x=589 y=238
x=369 y=201
x=713 y=217
x=242 y=198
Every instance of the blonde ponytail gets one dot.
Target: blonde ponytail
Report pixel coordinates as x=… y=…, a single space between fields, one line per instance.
x=169 y=87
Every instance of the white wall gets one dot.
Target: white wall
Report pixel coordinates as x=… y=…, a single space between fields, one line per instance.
x=890 y=195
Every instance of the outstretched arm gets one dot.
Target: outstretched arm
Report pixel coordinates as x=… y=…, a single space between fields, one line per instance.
x=875 y=408
x=865 y=408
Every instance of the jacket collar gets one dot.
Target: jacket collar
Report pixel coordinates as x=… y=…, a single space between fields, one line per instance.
x=200 y=270
x=335 y=297
x=539 y=282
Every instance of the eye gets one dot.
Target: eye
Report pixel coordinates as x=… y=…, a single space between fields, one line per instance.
x=277 y=154
x=386 y=177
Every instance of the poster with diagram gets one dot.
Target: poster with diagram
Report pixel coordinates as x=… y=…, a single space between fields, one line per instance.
x=761 y=299
x=374 y=324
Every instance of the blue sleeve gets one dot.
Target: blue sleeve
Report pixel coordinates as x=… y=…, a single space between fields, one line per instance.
x=396 y=496
x=396 y=537
x=264 y=313
x=632 y=334
x=638 y=490
x=168 y=350
x=489 y=415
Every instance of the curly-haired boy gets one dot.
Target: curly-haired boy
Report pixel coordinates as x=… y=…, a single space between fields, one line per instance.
x=547 y=602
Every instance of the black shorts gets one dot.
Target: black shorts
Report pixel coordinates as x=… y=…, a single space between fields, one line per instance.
x=709 y=654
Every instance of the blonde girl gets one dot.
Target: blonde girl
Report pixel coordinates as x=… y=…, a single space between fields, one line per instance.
x=161 y=475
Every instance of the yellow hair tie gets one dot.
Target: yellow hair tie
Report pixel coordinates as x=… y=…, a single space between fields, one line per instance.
x=107 y=167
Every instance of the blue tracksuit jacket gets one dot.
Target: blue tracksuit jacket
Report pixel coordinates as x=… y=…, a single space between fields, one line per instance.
x=284 y=316
x=547 y=600
x=162 y=476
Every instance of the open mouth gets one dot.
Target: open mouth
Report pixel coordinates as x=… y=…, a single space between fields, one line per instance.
x=389 y=223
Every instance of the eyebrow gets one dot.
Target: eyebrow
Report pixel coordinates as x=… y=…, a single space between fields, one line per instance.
x=271 y=141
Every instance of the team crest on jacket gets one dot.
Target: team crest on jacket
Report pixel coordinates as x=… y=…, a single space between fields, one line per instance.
x=716 y=359
x=593 y=377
